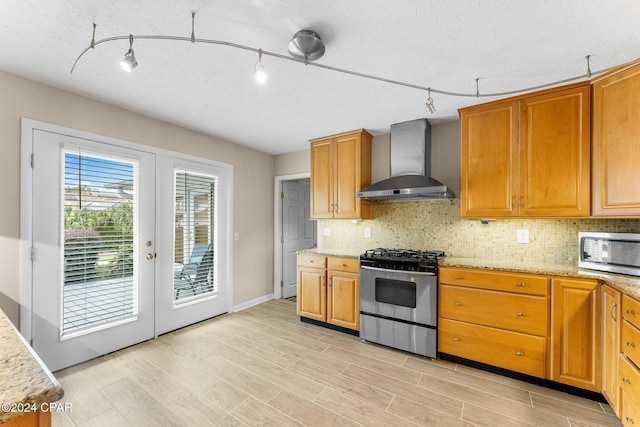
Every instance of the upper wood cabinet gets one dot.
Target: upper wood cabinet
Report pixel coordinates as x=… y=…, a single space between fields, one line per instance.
x=616 y=143
x=527 y=156
x=340 y=167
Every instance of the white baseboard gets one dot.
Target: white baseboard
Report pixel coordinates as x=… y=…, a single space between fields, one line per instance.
x=251 y=303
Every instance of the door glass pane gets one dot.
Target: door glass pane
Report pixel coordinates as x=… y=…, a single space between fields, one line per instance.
x=194 y=243
x=396 y=292
x=100 y=266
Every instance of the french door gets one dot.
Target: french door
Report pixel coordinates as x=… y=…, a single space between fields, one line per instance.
x=125 y=245
x=93 y=248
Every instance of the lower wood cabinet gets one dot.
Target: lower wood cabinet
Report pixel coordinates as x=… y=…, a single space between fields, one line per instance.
x=575 y=332
x=329 y=289
x=548 y=327
x=496 y=318
x=629 y=360
x=611 y=312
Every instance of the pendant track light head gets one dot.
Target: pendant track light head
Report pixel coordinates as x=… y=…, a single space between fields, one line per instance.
x=129 y=62
x=259 y=71
x=429 y=105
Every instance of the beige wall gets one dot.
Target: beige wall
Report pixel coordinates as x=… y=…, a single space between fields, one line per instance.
x=293 y=163
x=253 y=177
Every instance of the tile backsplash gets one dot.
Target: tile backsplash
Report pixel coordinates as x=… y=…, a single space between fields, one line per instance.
x=436 y=224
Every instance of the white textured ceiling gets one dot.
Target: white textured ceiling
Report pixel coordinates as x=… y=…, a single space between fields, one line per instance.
x=445 y=44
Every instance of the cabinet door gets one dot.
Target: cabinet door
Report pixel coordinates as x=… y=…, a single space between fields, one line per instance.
x=616 y=144
x=343 y=299
x=610 y=346
x=322 y=179
x=312 y=294
x=347 y=176
x=555 y=154
x=575 y=333
x=489 y=167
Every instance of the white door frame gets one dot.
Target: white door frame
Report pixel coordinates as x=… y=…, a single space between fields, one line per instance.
x=277 y=227
x=26 y=209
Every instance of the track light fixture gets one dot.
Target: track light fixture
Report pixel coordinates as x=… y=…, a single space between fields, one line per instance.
x=304 y=47
x=129 y=62
x=429 y=106
x=259 y=73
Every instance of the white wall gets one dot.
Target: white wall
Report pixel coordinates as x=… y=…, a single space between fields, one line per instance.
x=253 y=177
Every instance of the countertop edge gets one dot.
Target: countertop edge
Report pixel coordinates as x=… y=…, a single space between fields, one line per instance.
x=47 y=389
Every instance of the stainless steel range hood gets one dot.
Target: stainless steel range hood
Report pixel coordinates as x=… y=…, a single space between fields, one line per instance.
x=410 y=166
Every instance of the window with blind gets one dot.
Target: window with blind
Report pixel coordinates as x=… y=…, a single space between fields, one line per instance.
x=99 y=229
x=194 y=235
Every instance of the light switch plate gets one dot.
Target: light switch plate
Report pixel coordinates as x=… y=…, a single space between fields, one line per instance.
x=326 y=231
x=367 y=233
x=523 y=235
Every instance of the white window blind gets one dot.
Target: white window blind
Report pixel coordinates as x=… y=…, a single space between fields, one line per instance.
x=100 y=228
x=195 y=234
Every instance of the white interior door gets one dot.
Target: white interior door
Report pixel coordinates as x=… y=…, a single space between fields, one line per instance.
x=192 y=278
x=299 y=231
x=93 y=248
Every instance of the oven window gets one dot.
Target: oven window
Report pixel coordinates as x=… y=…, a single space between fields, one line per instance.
x=396 y=292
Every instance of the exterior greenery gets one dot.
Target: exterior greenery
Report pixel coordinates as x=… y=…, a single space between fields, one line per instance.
x=98 y=243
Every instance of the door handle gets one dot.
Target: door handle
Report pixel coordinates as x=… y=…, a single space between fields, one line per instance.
x=613 y=307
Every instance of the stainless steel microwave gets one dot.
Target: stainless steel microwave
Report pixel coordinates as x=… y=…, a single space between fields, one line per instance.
x=612 y=252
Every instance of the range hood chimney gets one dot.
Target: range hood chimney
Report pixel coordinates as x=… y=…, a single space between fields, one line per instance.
x=410 y=167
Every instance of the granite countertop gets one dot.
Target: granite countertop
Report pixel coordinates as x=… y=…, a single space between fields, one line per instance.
x=629 y=285
x=331 y=252
x=24 y=379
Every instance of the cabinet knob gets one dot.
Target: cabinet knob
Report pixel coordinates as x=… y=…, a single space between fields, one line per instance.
x=456 y=339
x=626 y=381
x=630 y=344
x=519 y=353
x=457 y=277
x=456 y=304
x=343 y=265
x=631 y=312
x=629 y=420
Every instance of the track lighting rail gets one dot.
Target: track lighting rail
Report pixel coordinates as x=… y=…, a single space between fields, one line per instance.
x=261 y=52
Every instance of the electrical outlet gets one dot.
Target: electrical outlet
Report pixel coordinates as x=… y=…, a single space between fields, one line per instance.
x=367 y=233
x=523 y=236
x=326 y=231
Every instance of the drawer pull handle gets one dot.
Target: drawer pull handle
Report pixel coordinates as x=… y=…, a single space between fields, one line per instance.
x=521 y=314
x=521 y=284
x=457 y=277
x=629 y=420
x=310 y=261
x=343 y=265
x=626 y=381
x=630 y=344
x=456 y=339
x=631 y=312
x=456 y=304
x=519 y=353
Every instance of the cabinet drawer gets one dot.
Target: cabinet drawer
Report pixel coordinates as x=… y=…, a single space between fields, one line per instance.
x=630 y=412
x=310 y=260
x=343 y=264
x=510 y=350
x=521 y=313
x=629 y=381
x=630 y=343
x=495 y=280
x=631 y=310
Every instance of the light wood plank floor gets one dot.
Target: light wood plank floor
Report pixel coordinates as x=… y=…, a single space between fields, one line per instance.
x=261 y=366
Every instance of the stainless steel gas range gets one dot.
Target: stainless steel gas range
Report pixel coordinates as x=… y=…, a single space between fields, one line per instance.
x=399 y=299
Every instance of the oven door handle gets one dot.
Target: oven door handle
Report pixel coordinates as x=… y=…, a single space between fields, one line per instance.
x=388 y=270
